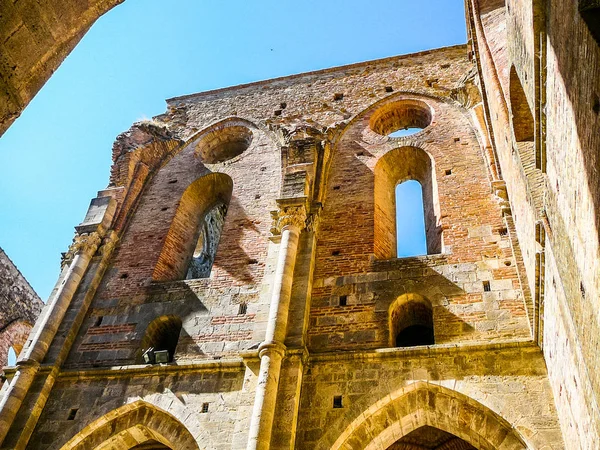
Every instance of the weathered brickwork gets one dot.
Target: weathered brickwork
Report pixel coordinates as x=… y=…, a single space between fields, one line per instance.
x=299 y=336
x=19 y=308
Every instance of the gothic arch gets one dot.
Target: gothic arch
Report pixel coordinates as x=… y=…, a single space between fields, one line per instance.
x=131 y=425
x=420 y=404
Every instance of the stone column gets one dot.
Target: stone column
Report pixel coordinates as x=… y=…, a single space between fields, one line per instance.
x=290 y=221
x=78 y=257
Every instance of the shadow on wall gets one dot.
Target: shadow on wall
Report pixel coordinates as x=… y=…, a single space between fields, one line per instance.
x=239 y=232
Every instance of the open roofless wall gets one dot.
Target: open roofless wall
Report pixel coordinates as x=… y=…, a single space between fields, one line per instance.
x=291 y=340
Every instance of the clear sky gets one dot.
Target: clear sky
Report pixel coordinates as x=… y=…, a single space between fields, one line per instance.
x=57 y=155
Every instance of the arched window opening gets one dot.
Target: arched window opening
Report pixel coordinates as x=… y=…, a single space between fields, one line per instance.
x=191 y=245
x=394 y=169
x=12 y=357
x=160 y=341
x=411 y=322
x=207 y=242
x=590 y=13
x=410 y=220
x=401 y=118
x=427 y=437
x=224 y=142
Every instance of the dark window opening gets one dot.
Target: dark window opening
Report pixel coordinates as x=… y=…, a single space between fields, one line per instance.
x=411 y=322
x=338 y=96
x=414 y=335
x=343 y=300
x=486 y=286
x=160 y=341
x=243 y=309
x=337 y=401
x=98 y=321
x=72 y=414
x=204 y=408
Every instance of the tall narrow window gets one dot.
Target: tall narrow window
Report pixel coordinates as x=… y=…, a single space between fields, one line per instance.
x=191 y=245
x=522 y=123
x=208 y=242
x=12 y=356
x=410 y=220
x=406 y=216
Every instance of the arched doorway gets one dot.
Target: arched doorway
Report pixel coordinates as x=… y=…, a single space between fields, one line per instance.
x=139 y=426
x=430 y=438
x=429 y=411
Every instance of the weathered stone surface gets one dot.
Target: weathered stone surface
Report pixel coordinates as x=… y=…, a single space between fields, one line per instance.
x=508 y=161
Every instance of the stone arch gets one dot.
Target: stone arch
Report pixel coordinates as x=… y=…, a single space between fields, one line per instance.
x=198 y=200
x=411 y=311
x=161 y=334
x=423 y=404
x=131 y=425
x=396 y=166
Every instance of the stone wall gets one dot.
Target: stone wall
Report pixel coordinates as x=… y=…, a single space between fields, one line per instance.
x=298 y=153
x=19 y=307
x=35 y=39
x=554 y=198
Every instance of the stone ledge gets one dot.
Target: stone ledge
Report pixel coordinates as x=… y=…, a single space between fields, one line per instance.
x=424 y=351
x=229 y=364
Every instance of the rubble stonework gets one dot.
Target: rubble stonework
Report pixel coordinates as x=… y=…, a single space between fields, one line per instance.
x=291 y=340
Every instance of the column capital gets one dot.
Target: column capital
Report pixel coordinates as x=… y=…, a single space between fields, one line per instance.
x=288 y=216
x=82 y=243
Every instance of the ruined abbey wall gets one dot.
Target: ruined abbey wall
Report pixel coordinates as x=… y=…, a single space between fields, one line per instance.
x=554 y=184
x=508 y=161
x=308 y=153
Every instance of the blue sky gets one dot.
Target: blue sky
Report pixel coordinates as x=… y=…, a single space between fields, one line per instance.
x=57 y=155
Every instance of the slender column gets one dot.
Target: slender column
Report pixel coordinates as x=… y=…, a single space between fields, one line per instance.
x=291 y=220
x=80 y=254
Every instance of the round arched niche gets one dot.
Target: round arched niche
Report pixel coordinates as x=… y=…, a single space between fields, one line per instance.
x=401 y=115
x=224 y=142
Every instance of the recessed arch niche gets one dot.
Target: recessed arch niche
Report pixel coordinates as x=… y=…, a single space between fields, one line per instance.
x=224 y=141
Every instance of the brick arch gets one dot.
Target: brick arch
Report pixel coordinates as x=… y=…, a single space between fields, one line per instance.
x=396 y=166
x=14 y=335
x=198 y=198
x=421 y=404
x=131 y=425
